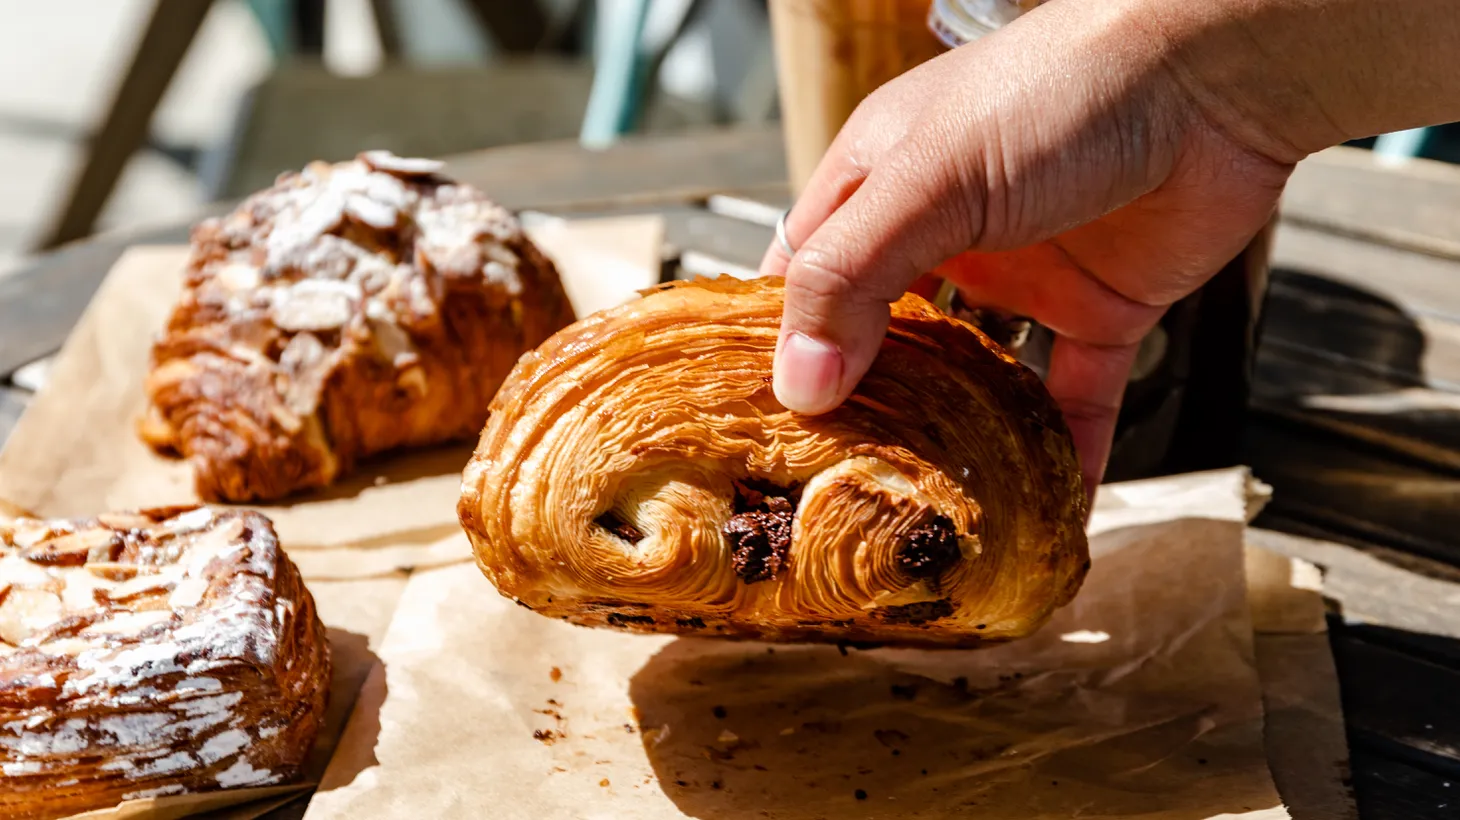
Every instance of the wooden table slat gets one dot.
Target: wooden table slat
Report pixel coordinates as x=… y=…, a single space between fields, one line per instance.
x=1353 y=188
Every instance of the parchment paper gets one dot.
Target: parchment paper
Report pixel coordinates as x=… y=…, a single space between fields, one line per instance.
x=1305 y=738
x=1141 y=699
x=75 y=452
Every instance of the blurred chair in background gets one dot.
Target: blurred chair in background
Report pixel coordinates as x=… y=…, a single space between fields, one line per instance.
x=455 y=75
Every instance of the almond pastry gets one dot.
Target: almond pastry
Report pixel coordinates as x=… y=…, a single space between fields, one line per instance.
x=637 y=472
x=349 y=310
x=151 y=654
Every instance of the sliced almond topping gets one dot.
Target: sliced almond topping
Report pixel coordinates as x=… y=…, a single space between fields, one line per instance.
x=306 y=364
x=314 y=304
x=80 y=591
x=375 y=214
x=315 y=220
x=29 y=532
x=67 y=646
x=142 y=584
x=114 y=571
x=393 y=343
x=189 y=592
x=125 y=521
x=27 y=611
x=237 y=276
x=401 y=166
x=19 y=572
x=129 y=623
x=212 y=543
x=73 y=549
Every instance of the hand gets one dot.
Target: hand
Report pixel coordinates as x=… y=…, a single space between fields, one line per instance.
x=1065 y=169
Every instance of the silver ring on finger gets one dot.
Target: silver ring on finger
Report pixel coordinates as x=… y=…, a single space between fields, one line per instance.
x=781 y=234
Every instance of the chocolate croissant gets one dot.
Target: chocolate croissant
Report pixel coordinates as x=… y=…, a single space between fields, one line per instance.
x=151 y=654
x=637 y=472
x=349 y=310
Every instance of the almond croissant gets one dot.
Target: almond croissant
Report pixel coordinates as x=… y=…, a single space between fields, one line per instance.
x=351 y=309
x=151 y=654
x=638 y=472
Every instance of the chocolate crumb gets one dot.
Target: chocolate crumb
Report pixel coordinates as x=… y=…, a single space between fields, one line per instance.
x=896 y=752
x=556 y=674
x=914 y=614
x=1201 y=761
x=925 y=771
x=904 y=692
x=620 y=619
x=547 y=736
x=680 y=783
x=930 y=550
x=690 y=623
x=616 y=525
x=717 y=785
x=960 y=685
x=860 y=794
x=719 y=712
x=982 y=626
x=760 y=543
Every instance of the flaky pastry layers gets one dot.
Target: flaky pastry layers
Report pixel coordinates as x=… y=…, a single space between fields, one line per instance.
x=150 y=654
x=638 y=472
x=350 y=309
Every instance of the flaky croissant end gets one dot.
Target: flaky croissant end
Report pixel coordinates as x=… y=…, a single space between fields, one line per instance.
x=637 y=472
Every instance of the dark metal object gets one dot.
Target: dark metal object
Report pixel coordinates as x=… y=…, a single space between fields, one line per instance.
x=164 y=43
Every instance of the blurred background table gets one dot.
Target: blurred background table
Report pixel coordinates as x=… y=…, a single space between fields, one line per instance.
x=1355 y=417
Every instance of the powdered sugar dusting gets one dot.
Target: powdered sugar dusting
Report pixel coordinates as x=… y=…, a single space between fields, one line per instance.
x=139 y=650
x=160 y=791
x=242 y=774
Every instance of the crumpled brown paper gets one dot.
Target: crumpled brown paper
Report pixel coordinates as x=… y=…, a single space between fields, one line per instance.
x=76 y=453
x=1140 y=699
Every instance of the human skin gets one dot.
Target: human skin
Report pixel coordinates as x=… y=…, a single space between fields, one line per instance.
x=1088 y=166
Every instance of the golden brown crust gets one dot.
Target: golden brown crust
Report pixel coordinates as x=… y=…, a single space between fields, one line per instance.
x=350 y=309
x=149 y=654
x=638 y=472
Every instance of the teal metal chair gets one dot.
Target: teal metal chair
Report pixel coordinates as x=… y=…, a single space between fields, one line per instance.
x=1402 y=144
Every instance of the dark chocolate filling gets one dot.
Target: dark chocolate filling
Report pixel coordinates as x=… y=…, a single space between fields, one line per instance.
x=760 y=531
x=931 y=549
x=620 y=619
x=919 y=613
x=623 y=529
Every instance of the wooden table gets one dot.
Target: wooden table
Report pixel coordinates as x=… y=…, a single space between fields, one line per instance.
x=1356 y=412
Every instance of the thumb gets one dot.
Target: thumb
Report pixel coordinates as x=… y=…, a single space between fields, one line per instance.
x=840 y=283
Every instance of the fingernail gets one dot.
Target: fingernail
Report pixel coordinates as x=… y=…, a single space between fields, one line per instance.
x=808 y=374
